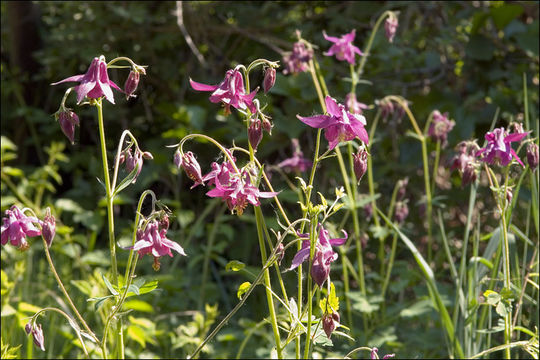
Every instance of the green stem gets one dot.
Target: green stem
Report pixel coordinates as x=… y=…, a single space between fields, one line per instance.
x=312 y=240
x=390 y=265
x=436 y=166
x=26 y=201
x=360 y=70
x=370 y=170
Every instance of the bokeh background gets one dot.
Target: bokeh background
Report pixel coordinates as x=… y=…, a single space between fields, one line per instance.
x=464 y=58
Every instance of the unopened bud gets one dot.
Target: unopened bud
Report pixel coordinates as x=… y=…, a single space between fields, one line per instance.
x=48 y=227
x=68 y=119
x=402 y=211
x=190 y=166
x=360 y=162
x=131 y=84
x=469 y=174
x=255 y=134
x=532 y=156
x=390 y=27
x=269 y=79
x=147 y=155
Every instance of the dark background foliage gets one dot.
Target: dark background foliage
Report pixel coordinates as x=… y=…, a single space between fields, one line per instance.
x=465 y=58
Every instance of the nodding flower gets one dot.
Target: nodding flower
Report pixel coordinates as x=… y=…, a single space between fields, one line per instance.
x=440 y=127
x=499 y=150
x=190 y=165
x=343 y=47
x=16 y=226
x=297 y=61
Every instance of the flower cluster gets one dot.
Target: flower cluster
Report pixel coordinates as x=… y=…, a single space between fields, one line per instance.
x=466 y=162
x=134 y=160
x=440 y=127
x=37 y=334
x=297 y=162
x=152 y=239
x=343 y=47
x=231 y=92
x=324 y=254
x=339 y=124
x=298 y=60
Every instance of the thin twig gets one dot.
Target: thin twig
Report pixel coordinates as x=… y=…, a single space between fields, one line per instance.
x=180 y=22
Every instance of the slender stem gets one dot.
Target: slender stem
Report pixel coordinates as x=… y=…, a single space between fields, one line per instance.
x=312 y=240
x=360 y=70
x=63 y=289
x=390 y=265
x=27 y=202
x=436 y=166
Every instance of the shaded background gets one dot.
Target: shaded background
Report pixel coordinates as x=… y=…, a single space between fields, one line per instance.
x=465 y=58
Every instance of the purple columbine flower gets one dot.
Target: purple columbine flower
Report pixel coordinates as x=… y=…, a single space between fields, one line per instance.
x=324 y=255
x=95 y=83
x=152 y=240
x=343 y=47
x=374 y=354
x=297 y=162
x=330 y=322
x=37 y=334
x=498 y=149
x=68 y=119
x=390 y=27
x=190 y=165
x=440 y=127
x=339 y=125
x=352 y=105
x=234 y=189
x=297 y=61
x=48 y=227
x=16 y=227
x=230 y=91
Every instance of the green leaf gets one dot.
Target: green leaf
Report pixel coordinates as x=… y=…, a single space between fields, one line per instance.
x=242 y=289
x=99 y=301
x=136 y=333
x=480 y=48
x=138 y=305
x=148 y=287
x=330 y=304
x=126 y=181
x=419 y=308
x=503 y=15
x=109 y=285
x=235 y=265
x=501 y=309
x=11 y=171
x=25 y=307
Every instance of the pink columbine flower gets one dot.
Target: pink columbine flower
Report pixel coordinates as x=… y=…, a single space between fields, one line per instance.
x=352 y=105
x=236 y=190
x=95 y=83
x=269 y=79
x=230 y=91
x=16 y=227
x=374 y=354
x=498 y=149
x=324 y=255
x=37 y=334
x=297 y=162
x=152 y=240
x=298 y=60
x=68 y=119
x=343 y=47
x=190 y=165
x=360 y=163
x=330 y=322
x=440 y=127
x=339 y=125
x=532 y=156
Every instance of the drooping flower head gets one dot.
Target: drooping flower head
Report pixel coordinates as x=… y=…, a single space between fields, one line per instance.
x=134 y=160
x=343 y=47
x=16 y=226
x=374 y=354
x=324 y=254
x=352 y=105
x=190 y=165
x=68 y=119
x=339 y=124
x=390 y=27
x=360 y=163
x=499 y=149
x=269 y=78
x=330 y=322
x=48 y=227
x=297 y=61
x=37 y=334
x=153 y=240
x=95 y=83
x=297 y=162
x=440 y=127
x=230 y=91
x=466 y=162
x=532 y=156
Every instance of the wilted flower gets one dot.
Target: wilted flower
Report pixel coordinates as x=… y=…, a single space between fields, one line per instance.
x=343 y=47
x=360 y=162
x=16 y=227
x=440 y=127
x=152 y=240
x=68 y=119
x=230 y=91
x=374 y=354
x=95 y=83
x=532 y=155
x=330 y=322
x=401 y=212
x=324 y=255
x=255 y=134
x=48 y=227
x=269 y=78
x=190 y=165
x=297 y=162
x=390 y=27
x=498 y=149
x=339 y=125
x=37 y=334
x=352 y=105
x=298 y=60
x=131 y=84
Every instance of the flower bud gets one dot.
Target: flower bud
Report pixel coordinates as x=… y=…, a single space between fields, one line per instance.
x=267 y=125
x=390 y=27
x=255 y=132
x=131 y=84
x=37 y=334
x=509 y=195
x=402 y=211
x=147 y=155
x=269 y=79
x=329 y=323
x=48 y=227
x=469 y=174
x=190 y=166
x=68 y=119
x=133 y=162
x=368 y=211
x=280 y=252
x=402 y=188
x=532 y=156
x=178 y=158
x=360 y=161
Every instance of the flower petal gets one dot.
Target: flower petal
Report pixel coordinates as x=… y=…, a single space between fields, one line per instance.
x=317 y=121
x=202 y=87
x=331 y=106
x=330 y=38
x=515 y=137
x=301 y=256
x=70 y=79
